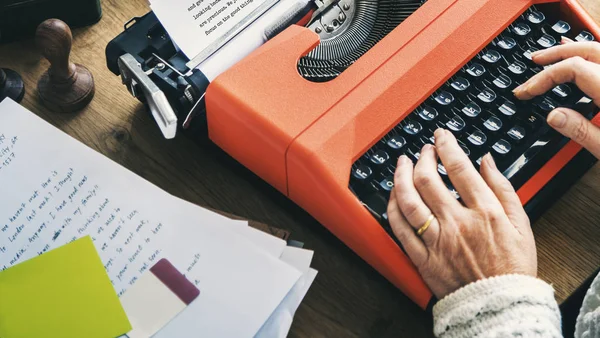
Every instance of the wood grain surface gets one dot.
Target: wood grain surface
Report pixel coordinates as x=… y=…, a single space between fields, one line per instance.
x=348 y=298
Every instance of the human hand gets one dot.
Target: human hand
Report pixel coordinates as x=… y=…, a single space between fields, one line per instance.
x=489 y=236
x=577 y=62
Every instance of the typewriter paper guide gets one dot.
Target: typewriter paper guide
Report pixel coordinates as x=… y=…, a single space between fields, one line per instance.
x=200 y=27
x=57 y=190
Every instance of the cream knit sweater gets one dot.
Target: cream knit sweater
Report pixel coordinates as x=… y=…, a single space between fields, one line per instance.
x=511 y=306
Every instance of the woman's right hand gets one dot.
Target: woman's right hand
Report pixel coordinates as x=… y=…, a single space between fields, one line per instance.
x=577 y=62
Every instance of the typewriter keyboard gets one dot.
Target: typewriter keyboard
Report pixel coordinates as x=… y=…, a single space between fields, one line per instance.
x=478 y=106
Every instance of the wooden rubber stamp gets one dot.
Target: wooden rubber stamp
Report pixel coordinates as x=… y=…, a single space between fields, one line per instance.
x=11 y=85
x=66 y=87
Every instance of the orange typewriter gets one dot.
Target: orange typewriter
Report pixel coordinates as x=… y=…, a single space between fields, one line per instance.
x=323 y=109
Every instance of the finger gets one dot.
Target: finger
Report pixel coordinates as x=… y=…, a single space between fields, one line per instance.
x=564 y=40
x=585 y=74
x=576 y=127
x=411 y=205
x=588 y=50
x=414 y=247
x=504 y=191
x=466 y=180
x=430 y=186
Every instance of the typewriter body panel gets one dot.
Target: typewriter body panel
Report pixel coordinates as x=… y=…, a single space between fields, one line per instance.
x=303 y=137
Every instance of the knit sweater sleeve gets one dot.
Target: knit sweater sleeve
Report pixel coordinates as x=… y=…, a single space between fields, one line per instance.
x=504 y=306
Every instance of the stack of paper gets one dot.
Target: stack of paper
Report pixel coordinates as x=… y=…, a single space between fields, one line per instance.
x=57 y=190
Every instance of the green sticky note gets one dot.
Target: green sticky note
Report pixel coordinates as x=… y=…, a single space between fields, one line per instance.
x=63 y=293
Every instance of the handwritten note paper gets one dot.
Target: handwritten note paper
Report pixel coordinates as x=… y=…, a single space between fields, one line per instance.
x=55 y=200
x=55 y=190
x=64 y=293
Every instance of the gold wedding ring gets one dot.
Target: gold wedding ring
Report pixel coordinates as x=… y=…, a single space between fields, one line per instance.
x=425 y=226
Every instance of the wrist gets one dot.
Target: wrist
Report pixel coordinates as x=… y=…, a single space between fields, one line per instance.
x=502 y=299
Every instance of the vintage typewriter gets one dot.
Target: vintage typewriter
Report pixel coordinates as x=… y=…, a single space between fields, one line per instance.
x=324 y=108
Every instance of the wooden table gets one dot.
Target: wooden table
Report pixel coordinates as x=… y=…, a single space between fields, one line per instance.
x=348 y=298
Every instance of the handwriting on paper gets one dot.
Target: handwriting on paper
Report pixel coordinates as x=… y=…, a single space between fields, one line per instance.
x=7 y=150
x=65 y=204
x=55 y=190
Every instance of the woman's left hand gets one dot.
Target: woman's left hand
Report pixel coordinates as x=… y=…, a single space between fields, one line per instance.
x=488 y=236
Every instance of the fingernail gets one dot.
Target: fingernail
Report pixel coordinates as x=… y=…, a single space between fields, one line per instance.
x=536 y=53
x=490 y=161
x=439 y=134
x=402 y=159
x=519 y=89
x=522 y=91
x=565 y=39
x=557 y=119
x=426 y=147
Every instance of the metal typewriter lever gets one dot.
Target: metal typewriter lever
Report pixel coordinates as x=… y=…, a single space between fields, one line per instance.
x=141 y=86
x=332 y=17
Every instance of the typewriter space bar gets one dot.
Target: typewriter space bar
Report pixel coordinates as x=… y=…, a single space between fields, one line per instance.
x=548 y=144
x=527 y=156
x=534 y=158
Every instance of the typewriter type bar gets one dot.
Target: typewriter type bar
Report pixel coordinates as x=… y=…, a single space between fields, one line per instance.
x=347 y=30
